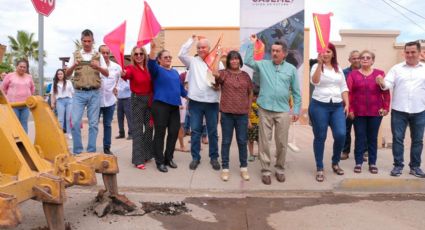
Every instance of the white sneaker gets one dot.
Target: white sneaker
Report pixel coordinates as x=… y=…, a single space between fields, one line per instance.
x=70 y=136
x=293 y=147
x=225 y=174
x=244 y=174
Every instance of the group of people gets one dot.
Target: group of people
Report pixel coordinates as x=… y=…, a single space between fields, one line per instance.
x=236 y=104
x=149 y=92
x=360 y=96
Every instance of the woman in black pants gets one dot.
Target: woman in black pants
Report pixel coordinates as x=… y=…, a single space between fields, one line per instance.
x=165 y=107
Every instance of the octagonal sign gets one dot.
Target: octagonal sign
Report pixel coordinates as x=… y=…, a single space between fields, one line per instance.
x=44 y=7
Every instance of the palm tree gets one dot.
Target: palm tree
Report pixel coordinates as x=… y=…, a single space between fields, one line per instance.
x=78 y=45
x=24 y=46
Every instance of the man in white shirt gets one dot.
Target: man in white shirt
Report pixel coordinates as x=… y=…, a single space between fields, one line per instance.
x=87 y=65
x=107 y=97
x=407 y=79
x=124 y=108
x=204 y=101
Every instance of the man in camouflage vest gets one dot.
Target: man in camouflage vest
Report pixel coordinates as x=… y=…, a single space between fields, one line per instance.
x=87 y=65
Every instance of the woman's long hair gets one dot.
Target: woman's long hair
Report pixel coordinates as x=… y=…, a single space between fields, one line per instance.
x=233 y=54
x=334 y=60
x=145 y=59
x=56 y=80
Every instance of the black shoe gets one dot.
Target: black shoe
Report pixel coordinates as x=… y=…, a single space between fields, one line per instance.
x=129 y=137
x=162 y=168
x=121 y=136
x=171 y=164
x=107 y=151
x=215 y=165
x=194 y=164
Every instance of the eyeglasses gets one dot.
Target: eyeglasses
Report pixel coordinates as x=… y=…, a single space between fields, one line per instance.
x=167 y=57
x=365 y=58
x=139 y=54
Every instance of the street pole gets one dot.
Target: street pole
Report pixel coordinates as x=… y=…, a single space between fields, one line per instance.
x=40 y=53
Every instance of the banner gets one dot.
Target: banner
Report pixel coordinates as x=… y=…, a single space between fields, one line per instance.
x=272 y=21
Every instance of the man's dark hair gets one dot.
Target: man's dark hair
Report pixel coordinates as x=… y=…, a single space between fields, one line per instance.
x=413 y=43
x=282 y=44
x=86 y=33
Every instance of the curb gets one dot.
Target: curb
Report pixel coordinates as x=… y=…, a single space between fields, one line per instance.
x=393 y=185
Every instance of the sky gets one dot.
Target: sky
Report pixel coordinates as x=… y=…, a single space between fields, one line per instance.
x=70 y=17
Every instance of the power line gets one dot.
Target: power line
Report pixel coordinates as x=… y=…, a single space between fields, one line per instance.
x=411 y=11
x=404 y=15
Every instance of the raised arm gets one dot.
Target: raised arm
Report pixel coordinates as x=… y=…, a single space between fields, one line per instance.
x=317 y=72
x=184 y=55
x=216 y=64
x=249 y=55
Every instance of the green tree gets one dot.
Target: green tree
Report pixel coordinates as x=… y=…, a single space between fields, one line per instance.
x=6 y=67
x=78 y=45
x=24 y=46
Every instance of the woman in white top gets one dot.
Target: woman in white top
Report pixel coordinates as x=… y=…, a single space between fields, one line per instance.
x=327 y=108
x=62 y=92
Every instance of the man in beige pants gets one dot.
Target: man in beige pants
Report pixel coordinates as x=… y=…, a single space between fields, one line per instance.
x=277 y=79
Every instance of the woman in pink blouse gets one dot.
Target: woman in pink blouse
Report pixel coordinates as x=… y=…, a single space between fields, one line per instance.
x=18 y=86
x=368 y=104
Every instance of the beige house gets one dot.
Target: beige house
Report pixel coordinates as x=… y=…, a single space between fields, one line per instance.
x=2 y=51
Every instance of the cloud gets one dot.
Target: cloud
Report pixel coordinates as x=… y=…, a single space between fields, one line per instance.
x=70 y=17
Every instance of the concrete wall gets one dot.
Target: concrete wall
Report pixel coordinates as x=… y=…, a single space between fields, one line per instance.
x=174 y=37
x=382 y=43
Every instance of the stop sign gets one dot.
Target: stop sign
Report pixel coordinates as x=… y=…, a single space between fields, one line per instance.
x=44 y=7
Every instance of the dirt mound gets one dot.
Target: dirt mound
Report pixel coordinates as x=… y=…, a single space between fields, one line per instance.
x=166 y=208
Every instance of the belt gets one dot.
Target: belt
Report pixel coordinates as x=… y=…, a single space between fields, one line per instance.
x=87 y=88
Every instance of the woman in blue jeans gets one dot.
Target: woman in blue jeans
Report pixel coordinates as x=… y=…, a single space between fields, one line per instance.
x=61 y=100
x=235 y=103
x=328 y=107
x=368 y=104
x=18 y=86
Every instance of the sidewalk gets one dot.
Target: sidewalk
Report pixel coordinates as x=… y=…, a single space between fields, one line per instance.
x=300 y=171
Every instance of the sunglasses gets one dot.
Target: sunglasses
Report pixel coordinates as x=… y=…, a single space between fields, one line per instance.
x=167 y=57
x=365 y=58
x=139 y=54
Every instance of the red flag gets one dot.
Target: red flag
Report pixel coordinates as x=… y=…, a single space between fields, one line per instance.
x=259 y=50
x=322 y=24
x=149 y=27
x=115 y=40
x=211 y=57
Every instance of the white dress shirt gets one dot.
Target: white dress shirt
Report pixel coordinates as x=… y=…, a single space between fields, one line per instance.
x=123 y=88
x=68 y=92
x=199 y=89
x=408 y=85
x=330 y=86
x=107 y=97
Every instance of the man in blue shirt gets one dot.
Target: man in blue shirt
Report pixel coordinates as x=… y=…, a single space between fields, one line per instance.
x=277 y=79
x=354 y=59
